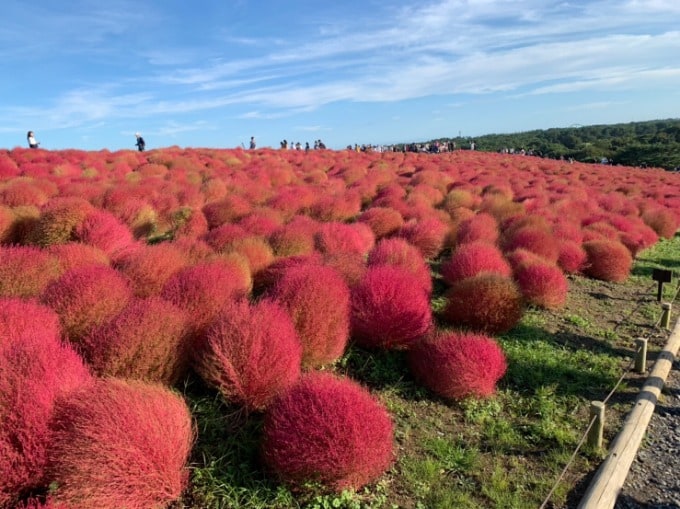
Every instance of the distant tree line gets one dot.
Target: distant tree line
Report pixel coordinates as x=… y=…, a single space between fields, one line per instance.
x=654 y=143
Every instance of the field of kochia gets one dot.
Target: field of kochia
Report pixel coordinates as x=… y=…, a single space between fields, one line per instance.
x=126 y=277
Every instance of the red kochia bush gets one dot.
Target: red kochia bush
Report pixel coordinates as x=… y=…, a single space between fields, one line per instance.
x=251 y=353
x=398 y=252
x=329 y=430
x=534 y=239
x=661 y=220
x=542 y=284
x=145 y=341
x=35 y=368
x=76 y=254
x=572 y=256
x=120 y=444
x=87 y=296
x=201 y=290
x=336 y=237
x=608 y=260
x=389 y=308
x=473 y=258
x=487 y=303
x=20 y=317
x=25 y=271
x=480 y=227
x=382 y=220
x=428 y=235
x=104 y=230
x=457 y=365
x=150 y=266
x=317 y=298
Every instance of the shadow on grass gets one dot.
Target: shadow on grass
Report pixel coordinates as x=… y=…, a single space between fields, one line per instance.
x=225 y=462
x=573 y=364
x=381 y=370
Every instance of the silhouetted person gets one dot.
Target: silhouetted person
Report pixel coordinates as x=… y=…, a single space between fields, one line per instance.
x=252 y=143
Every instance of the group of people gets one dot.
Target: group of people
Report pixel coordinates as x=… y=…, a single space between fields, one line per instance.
x=318 y=145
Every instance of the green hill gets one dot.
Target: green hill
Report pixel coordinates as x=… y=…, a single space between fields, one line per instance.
x=654 y=143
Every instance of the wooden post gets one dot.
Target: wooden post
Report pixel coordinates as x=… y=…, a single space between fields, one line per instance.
x=596 y=433
x=666 y=315
x=609 y=479
x=641 y=355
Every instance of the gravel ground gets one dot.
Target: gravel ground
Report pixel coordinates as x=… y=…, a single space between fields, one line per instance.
x=654 y=478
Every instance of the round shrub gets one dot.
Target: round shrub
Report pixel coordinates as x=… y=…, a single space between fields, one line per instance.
x=486 y=303
x=399 y=253
x=542 y=284
x=58 y=220
x=148 y=267
x=352 y=266
x=336 y=237
x=661 y=220
x=76 y=254
x=572 y=256
x=473 y=258
x=328 y=430
x=389 y=308
x=458 y=365
x=383 y=221
x=19 y=317
x=534 y=239
x=251 y=353
x=317 y=298
x=608 y=260
x=428 y=235
x=35 y=369
x=202 y=289
x=25 y=271
x=120 y=443
x=480 y=227
x=104 y=230
x=145 y=341
x=87 y=296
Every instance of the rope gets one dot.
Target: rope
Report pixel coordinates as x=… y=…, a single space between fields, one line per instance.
x=571 y=460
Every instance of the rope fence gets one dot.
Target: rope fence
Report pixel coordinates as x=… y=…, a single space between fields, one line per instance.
x=593 y=433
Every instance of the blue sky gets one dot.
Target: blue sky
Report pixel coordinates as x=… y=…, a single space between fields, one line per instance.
x=89 y=74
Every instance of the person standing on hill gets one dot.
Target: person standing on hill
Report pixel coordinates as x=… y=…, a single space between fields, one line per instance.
x=32 y=143
x=252 y=143
x=141 y=144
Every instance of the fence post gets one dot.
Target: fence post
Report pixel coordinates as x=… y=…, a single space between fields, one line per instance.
x=666 y=315
x=596 y=433
x=641 y=355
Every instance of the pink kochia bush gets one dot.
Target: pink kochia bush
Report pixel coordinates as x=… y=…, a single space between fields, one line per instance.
x=389 y=308
x=487 y=303
x=329 y=430
x=608 y=260
x=202 y=289
x=104 y=230
x=85 y=297
x=251 y=353
x=20 y=317
x=542 y=284
x=145 y=341
x=120 y=443
x=457 y=365
x=473 y=258
x=317 y=298
x=399 y=253
x=35 y=369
